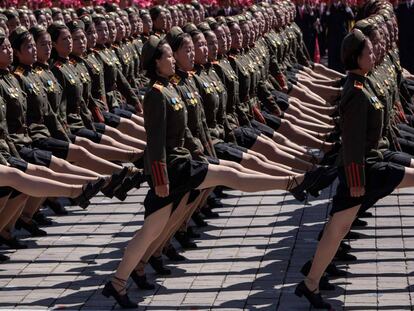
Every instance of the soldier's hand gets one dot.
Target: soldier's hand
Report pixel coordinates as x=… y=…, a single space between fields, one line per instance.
x=357 y=192
x=162 y=191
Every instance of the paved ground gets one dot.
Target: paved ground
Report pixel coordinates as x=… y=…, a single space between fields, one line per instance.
x=248 y=258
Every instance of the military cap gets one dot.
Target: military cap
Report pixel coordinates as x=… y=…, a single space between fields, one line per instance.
x=75 y=25
x=188 y=7
x=221 y=19
x=37 y=31
x=98 y=18
x=83 y=11
x=55 y=28
x=87 y=21
x=56 y=10
x=143 y=12
x=3 y=18
x=379 y=19
x=18 y=36
x=11 y=13
x=111 y=7
x=352 y=45
x=148 y=51
x=38 y=12
x=155 y=11
x=2 y=35
x=99 y=9
x=180 y=6
x=173 y=35
x=204 y=26
x=385 y=14
x=189 y=27
x=47 y=11
x=365 y=25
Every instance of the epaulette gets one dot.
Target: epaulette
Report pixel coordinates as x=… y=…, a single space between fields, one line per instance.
x=39 y=70
x=215 y=62
x=358 y=85
x=58 y=64
x=191 y=73
x=72 y=61
x=232 y=56
x=175 y=79
x=158 y=86
x=19 y=71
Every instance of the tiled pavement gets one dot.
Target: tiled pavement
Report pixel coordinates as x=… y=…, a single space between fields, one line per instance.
x=249 y=258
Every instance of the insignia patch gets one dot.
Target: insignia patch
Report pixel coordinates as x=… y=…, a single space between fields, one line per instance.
x=358 y=85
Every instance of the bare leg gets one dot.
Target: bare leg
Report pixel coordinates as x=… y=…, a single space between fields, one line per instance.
x=307 y=97
x=254 y=163
x=132 y=129
x=270 y=150
x=13 y=210
x=63 y=166
x=107 y=152
x=282 y=140
x=32 y=206
x=36 y=186
x=307 y=125
x=109 y=141
x=124 y=138
x=149 y=232
x=335 y=230
x=42 y=171
x=83 y=158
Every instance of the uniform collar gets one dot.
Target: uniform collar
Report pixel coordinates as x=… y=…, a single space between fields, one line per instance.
x=4 y=71
x=182 y=74
x=44 y=66
x=357 y=77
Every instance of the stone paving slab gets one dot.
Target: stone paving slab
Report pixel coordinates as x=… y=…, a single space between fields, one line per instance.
x=249 y=258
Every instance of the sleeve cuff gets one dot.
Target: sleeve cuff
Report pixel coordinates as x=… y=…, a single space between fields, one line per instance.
x=355 y=175
x=159 y=173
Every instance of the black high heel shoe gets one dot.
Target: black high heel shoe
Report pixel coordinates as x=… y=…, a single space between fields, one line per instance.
x=30 y=227
x=332 y=270
x=315 y=299
x=13 y=243
x=128 y=184
x=311 y=178
x=58 y=209
x=172 y=253
x=141 y=281
x=115 y=183
x=157 y=264
x=123 y=300
x=88 y=192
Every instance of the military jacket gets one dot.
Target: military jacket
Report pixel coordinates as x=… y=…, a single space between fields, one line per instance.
x=41 y=118
x=165 y=116
x=115 y=81
x=361 y=121
x=196 y=122
x=16 y=106
x=7 y=147
x=74 y=108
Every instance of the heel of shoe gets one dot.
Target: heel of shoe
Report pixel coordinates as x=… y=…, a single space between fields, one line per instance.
x=106 y=292
x=298 y=292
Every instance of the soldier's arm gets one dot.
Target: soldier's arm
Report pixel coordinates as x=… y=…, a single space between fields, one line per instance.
x=126 y=90
x=155 y=116
x=354 y=121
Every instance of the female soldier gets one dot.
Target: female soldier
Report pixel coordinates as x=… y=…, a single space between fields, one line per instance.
x=364 y=177
x=172 y=169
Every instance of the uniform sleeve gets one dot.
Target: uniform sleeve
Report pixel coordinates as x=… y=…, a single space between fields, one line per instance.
x=126 y=90
x=354 y=128
x=155 y=117
x=62 y=107
x=54 y=125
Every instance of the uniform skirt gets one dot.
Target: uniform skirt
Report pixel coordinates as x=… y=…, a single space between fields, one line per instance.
x=261 y=128
x=86 y=133
x=272 y=121
x=36 y=156
x=245 y=136
x=57 y=147
x=381 y=179
x=226 y=151
x=111 y=119
x=122 y=113
x=184 y=175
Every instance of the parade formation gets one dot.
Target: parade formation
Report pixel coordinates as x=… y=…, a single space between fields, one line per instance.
x=194 y=99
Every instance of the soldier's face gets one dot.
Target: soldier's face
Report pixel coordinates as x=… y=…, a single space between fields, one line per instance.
x=120 y=29
x=212 y=44
x=42 y=20
x=197 y=19
x=6 y=54
x=228 y=37
x=63 y=44
x=27 y=54
x=139 y=26
x=184 y=56
x=160 y=22
x=102 y=33
x=79 y=42
x=236 y=37
x=174 y=18
x=200 y=49
x=127 y=25
x=25 y=21
x=166 y=64
x=133 y=20
x=245 y=29
x=221 y=40
x=12 y=24
x=112 y=31
x=146 y=24
x=366 y=59
x=91 y=36
x=44 y=48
